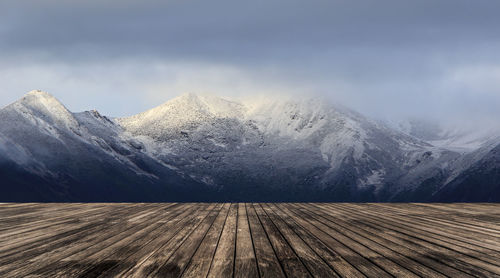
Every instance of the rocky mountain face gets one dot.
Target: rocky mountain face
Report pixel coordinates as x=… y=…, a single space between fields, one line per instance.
x=50 y=154
x=205 y=148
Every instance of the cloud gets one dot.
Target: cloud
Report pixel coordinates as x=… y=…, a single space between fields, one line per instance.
x=385 y=58
x=126 y=87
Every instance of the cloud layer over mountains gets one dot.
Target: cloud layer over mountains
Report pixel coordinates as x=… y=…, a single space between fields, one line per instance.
x=384 y=58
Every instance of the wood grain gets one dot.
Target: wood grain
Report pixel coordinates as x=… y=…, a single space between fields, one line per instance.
x=249 y=240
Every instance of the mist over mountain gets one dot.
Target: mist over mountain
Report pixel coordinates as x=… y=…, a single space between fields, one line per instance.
x=207 y=148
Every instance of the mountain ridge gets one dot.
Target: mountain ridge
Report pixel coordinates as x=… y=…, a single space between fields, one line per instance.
x=197 y=147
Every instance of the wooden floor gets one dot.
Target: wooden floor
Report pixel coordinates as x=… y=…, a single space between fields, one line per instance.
x=250 y=240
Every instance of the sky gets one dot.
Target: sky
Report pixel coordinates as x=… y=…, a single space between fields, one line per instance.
x=397 y=59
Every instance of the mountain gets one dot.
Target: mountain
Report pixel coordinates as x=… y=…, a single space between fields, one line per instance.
x=206 y=148
x=477 y=183
x=472 y=175
x=50 y=154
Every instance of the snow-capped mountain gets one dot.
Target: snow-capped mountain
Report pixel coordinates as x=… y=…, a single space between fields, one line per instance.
x=453 y=137
x=208 y=148
x=477 y=158
x=49 y=153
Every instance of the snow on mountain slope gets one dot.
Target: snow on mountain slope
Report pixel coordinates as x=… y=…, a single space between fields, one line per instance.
x=39 y=103
x=38 y=119
x=307 y=142
x=83 y=154
x=38 y=109
x=12 y=151
x=470 y=146
x=478 y=182
x=182 y=112
x=198 y=147
x=452 y=137
x=467 y=141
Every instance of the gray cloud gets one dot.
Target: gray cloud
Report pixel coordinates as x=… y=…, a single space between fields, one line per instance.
x=384 y=58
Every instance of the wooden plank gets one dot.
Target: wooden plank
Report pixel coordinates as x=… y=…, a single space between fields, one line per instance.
x=267 y=262
x=403 y=260
x=176 y=264
x=460 y=261
x=43 y=212
x=479 y=216
x=393 y=243
x=154 y=261
x=59 y=241
x=361 y=246
x=363 y=264
x=245 y=240
x=314 y=263
x=21 y=210
x=129 y=252
x=223 y=260
x=439 y=237
x=420 y=245
x=291 y=264
x=34 y=233
x=467 y=208
x=199 y=264
x=93 y=259
x=472 y=235
x=245 y=263
x=45 y=255
x=332 y=258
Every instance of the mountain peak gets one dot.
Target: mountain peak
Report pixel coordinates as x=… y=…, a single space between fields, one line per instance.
x=38 y=103
x=190 y=106
x=208 y=102
x=39 y=97
x=38 y=93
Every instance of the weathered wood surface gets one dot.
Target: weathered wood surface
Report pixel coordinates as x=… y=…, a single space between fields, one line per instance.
x=249 y=240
